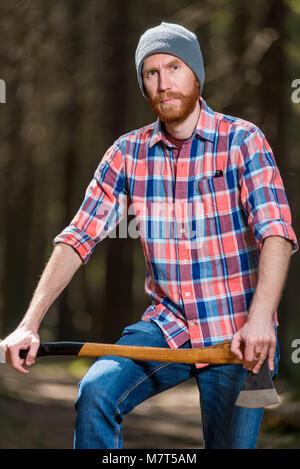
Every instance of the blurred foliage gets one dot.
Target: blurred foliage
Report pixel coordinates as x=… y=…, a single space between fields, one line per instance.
x=72 y=90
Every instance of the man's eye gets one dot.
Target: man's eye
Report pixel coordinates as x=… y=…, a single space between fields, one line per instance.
x=152 y=73
x=175 y=67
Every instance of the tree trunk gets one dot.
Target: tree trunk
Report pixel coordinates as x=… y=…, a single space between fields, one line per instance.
x=273 y=118
x=70 y=121
x=119 y=264
x=18 y=182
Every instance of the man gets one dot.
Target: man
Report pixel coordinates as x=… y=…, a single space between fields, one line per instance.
x=215 y=227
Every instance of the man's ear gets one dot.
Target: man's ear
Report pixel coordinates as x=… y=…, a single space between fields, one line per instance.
x=145 y=92
x=197 y=83
x=144 y=88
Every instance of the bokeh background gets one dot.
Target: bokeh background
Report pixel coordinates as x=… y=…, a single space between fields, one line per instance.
x=71 y=90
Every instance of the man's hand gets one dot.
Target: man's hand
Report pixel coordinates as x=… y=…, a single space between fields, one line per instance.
x=259 y=341
x=257 y=336
x=21 y=339
x=61 y=267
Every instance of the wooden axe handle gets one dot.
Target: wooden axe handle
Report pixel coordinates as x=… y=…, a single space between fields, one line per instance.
x=214 y=354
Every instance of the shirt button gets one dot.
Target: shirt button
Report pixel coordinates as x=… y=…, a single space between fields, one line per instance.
x=187 y=293
x=185 y=261
x=193 y=323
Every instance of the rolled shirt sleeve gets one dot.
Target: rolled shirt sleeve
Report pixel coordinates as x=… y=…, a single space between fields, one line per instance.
x=263 y=196
x=103 y=207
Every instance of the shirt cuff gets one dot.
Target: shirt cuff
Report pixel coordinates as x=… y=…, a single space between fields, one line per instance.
x=276 y=228
x=79 y=240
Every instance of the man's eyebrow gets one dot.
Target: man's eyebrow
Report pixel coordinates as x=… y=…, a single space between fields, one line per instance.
x=169 y=64
x=149 y=69
x=174 y=62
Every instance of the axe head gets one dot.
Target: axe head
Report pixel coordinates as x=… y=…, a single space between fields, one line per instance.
x=258 y=390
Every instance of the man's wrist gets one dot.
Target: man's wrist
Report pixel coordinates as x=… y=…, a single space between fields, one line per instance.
x=29 y=324
x=261 y=313
x=261 y=306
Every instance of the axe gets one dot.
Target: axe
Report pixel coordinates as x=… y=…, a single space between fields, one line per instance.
x=258 y=389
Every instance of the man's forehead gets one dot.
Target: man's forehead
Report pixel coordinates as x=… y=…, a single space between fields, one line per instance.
x=160 y=57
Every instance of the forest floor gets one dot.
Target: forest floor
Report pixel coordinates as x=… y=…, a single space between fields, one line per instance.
x=36 y=412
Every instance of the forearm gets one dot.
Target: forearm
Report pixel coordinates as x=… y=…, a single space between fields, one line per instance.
x=257 y=334
x=61 y=267
x=272 y=273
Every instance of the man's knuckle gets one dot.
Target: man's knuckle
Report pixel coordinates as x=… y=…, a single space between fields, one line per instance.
x=266 y=339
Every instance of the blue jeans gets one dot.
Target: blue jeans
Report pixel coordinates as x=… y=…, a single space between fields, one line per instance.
x=113 y=386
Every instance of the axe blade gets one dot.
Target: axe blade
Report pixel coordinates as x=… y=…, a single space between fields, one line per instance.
x=258 y=390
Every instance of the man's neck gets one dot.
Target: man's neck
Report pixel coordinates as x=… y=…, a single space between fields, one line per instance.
x=183 y=130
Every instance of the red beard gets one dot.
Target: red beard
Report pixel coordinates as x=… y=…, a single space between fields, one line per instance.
x=174 y=112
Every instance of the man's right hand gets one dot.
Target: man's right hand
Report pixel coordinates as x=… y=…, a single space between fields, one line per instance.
x=22 y=338
x=61 y=267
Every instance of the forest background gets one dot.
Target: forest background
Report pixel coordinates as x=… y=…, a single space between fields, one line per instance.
x=71 y=90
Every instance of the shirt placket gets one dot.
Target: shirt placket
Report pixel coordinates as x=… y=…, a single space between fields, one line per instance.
x=183 y=243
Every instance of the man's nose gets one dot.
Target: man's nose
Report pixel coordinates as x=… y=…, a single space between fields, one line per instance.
x=164 y=81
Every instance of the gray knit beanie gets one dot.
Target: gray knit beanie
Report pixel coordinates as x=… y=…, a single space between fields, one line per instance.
x=170 y=39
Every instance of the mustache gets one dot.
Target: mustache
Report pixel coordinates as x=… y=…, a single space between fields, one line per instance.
x=167 y=95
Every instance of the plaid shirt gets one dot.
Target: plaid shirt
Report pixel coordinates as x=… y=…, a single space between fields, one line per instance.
x=201 y=219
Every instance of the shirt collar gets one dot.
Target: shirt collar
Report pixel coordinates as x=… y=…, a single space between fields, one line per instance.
x=207 y=125
x=205 y=128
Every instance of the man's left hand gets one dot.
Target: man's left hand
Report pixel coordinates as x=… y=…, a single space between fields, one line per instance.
x=259 y=341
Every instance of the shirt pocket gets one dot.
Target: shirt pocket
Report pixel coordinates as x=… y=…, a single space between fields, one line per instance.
x=215 y=196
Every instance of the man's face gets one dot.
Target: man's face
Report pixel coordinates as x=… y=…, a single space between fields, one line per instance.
x=171 y=87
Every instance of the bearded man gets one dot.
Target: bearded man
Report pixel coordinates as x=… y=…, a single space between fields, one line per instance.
x=215 y=227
